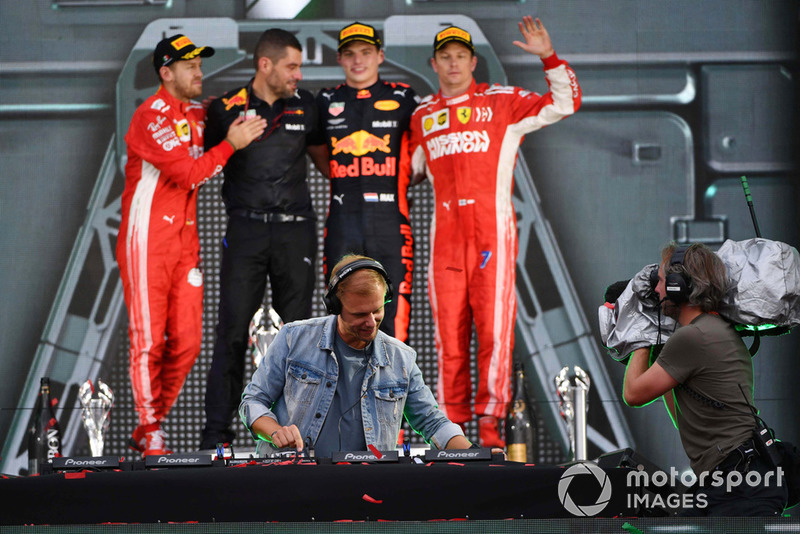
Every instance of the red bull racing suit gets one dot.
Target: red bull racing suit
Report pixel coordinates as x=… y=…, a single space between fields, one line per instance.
x=468 y=146
x=367 y=135
x=158 y=250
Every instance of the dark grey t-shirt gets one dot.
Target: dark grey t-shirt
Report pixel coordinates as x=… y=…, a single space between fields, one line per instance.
x=345 y=412
x=709 y=356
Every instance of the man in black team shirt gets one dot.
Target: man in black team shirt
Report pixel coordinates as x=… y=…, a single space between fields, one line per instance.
x=271 y=226
x=366 y=121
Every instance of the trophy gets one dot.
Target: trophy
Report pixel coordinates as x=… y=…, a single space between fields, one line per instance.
x=573 y=391
x=96 y=413
x=263 y=328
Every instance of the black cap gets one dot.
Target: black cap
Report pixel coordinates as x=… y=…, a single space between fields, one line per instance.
x=359 y=32
x=177 y=48
x=453 y=33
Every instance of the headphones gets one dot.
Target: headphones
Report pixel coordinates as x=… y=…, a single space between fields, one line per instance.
x=653 y=280
x=332 y=303
x=678 y=285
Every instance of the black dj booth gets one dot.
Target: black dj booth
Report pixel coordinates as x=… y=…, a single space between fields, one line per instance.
x=292 y=490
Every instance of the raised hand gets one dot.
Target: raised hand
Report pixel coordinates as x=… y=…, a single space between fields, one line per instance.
x=537 y=40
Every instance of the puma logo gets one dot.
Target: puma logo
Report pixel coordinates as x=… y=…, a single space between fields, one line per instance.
x=339 y=198
x=446 y=205
x=170 y=220
x=401 y=92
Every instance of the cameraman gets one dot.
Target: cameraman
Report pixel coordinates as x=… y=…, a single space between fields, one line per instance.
x=706 y=371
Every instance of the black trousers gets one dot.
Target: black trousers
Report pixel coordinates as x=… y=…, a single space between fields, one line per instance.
x=252 y=251
x=752 y=492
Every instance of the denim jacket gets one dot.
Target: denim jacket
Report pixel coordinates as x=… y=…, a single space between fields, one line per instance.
x=296 y=381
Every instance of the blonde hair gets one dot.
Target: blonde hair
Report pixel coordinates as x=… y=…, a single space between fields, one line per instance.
x=362 y=285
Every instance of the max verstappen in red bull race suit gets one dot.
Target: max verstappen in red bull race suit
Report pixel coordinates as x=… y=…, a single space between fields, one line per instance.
x=465 y=139
x=272 y=225
x=158 y=251
x=366 y=125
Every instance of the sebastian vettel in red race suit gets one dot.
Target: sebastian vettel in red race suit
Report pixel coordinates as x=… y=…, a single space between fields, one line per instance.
x=158 y=250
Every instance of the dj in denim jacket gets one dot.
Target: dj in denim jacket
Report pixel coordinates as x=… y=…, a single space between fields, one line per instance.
x=295 y=384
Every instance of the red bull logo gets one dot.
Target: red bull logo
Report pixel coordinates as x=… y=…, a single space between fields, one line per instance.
x=239 y=99
x=364 y=166
x=360 y=143
x=407 y=254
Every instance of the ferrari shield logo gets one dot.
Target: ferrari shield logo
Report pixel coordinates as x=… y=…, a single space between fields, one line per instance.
x=463 y=115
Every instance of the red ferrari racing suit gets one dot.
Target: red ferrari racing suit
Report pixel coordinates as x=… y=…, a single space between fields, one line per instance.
x=468 y=146
x=158 y=250
x=367 y=135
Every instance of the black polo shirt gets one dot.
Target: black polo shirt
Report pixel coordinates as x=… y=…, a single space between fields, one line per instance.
x=269 y=175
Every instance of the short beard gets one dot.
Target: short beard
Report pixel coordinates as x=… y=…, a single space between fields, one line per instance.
x=670 y=309
x=288 y=93
x=281 y=91
x=190 y=92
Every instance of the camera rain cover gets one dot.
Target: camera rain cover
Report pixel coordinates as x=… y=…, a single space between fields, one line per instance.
x=764 y=278
x=763 y=295
x=632 y=322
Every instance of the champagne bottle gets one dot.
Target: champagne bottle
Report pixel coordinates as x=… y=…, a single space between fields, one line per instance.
x=519 y=430
x=44 y=436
